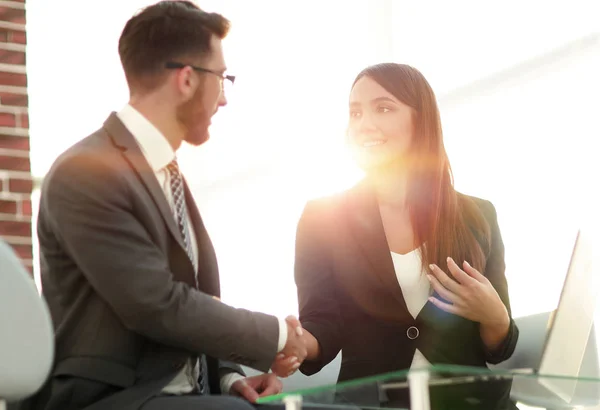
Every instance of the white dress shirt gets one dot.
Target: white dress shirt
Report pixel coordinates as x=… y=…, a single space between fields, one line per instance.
x=415 y=289
x=159 y=153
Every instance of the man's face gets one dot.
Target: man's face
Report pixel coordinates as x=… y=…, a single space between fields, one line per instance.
x=196 y=113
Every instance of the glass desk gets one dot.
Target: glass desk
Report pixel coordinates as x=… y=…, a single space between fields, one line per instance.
x=446 y=387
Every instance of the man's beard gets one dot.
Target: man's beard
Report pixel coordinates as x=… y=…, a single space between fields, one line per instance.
x=190 y=114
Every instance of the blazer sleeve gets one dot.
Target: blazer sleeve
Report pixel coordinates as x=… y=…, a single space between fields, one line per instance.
x=495 y=272
x=217 y=369
x=86 y=205
x=229 y=367
x=317 y=296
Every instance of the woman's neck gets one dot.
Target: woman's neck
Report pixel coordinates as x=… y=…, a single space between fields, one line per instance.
x=391 y=186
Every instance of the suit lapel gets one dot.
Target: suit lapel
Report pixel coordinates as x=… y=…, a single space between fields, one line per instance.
x=369 y=235
x=208 y=271
x=132 y=152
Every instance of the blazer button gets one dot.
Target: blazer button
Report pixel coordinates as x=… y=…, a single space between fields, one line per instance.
x=412 y=333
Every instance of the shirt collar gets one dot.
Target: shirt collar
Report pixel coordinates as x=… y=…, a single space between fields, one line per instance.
x=155 y=147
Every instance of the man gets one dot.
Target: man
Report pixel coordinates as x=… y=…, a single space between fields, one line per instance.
x=128 y=269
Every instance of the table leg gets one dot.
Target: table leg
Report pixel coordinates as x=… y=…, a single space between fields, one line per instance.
x=418 y=385
x=292 y=402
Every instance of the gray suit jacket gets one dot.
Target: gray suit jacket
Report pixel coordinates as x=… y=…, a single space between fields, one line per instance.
x=120 y=286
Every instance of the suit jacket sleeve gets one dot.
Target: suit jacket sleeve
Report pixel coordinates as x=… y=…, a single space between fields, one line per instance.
x=495 y=272
x=87 y=205
x=229 y=367
x=317 y=295
x=217 y=369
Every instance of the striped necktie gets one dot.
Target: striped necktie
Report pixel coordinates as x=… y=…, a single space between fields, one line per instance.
x=177 y=191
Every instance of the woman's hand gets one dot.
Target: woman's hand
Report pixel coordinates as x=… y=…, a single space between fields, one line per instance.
x=473 y=297
x=285 y=366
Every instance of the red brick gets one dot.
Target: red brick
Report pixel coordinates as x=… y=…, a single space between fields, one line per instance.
x=14 y=142
x=19 y=37
x=17 y=79
x=8 y=207
x=24 y=251
x=14 y=163
x=16 y=100
x=24 y=120
x=12 y=15
x=26 y=207
x=7 y=119
x=12 y=57
x=20 y=185
x=13 y=36
x=28 y=263
x=15 y=228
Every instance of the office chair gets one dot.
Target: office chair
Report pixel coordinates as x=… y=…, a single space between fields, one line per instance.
x=26 y=334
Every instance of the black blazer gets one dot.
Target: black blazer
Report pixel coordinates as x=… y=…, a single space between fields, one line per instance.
x=120 y=286
x=350 y=300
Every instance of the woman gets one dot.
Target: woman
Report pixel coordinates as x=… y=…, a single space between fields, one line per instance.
x=400 y=270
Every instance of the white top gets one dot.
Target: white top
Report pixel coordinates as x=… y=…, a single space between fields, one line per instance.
x=415 y=289
x=159 y=153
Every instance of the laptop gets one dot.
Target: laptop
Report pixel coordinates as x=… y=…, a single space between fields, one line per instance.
x=568 y=338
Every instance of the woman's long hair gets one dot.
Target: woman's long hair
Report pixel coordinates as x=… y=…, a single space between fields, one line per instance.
x=445 y=223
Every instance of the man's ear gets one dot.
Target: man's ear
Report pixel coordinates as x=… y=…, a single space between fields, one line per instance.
x=186 y=81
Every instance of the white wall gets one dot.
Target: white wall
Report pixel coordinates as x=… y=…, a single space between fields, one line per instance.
x=527 y=143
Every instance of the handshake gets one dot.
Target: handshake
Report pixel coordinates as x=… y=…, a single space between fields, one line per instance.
x=300 y=345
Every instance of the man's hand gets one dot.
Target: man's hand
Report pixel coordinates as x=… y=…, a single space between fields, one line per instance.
x=251 y=388
x=287 y=366
x=294 y=350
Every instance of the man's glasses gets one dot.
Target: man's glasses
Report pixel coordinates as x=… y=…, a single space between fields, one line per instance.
x=223 y=77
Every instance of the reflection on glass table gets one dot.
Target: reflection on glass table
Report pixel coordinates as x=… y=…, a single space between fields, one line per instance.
x=447 y=387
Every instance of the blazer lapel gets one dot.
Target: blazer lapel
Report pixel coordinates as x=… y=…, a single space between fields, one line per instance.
x=126 y=141
x=367 y=228
x=208 y=270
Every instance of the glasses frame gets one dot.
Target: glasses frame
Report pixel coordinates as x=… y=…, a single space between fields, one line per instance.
x=175 y=65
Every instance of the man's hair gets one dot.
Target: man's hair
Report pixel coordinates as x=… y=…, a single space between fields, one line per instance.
x=166 y=31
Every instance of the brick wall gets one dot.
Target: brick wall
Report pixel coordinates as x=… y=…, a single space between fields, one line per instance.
x=15 y=176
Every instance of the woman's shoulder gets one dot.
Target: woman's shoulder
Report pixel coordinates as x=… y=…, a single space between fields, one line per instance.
x=480 y=215
x=329 y=212
x=335 y=201
x=468 y=203
x=325 y=207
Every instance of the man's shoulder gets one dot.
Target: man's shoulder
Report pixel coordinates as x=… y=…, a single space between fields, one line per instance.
x=92 y=155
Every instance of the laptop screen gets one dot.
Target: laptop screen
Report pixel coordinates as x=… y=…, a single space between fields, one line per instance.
x=570 y=326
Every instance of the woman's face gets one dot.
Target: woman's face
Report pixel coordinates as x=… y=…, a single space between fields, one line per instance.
x=380 y=127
